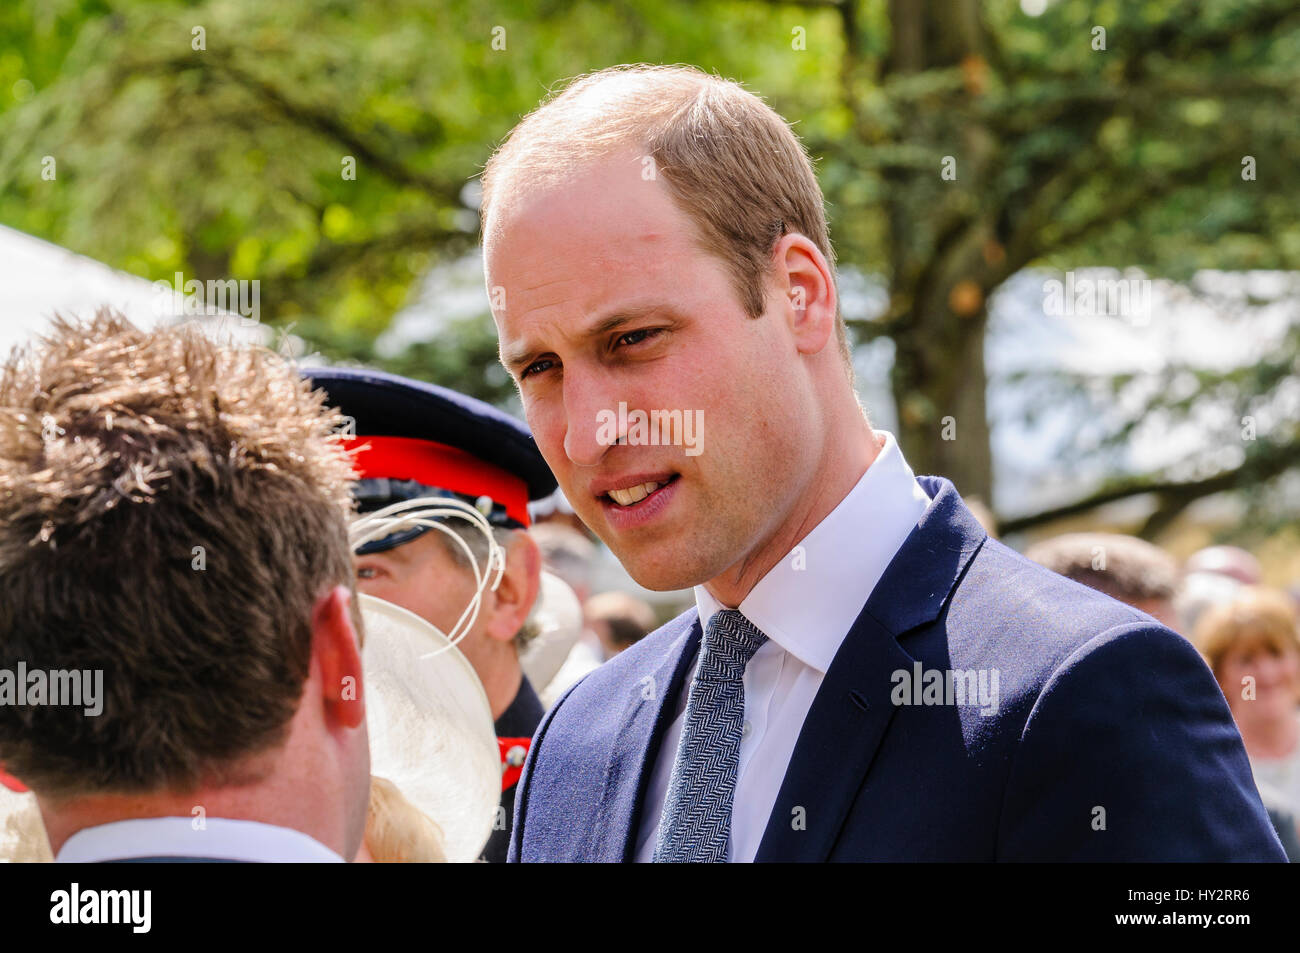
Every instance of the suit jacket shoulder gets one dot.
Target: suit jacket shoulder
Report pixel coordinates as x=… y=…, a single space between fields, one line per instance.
x=1107 y=737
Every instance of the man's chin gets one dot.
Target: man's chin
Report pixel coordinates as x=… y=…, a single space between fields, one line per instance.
x=661 y=572
x=665 y=560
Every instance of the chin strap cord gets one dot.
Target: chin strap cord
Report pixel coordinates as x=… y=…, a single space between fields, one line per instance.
x=429 y=513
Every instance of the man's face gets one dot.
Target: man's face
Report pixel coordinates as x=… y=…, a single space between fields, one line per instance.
x=422 y=576
x=609 y=299
x=1276 y=679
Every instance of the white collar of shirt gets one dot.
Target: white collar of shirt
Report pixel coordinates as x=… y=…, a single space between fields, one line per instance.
x=221 y=839
x=809 y=600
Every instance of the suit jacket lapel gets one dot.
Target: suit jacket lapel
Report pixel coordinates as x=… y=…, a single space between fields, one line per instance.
x=839 y=738
x=646 y=717
x=852 y=710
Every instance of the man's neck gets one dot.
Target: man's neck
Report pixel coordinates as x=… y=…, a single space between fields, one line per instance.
x=502 y=684
x=312 y=816
x=831 y=482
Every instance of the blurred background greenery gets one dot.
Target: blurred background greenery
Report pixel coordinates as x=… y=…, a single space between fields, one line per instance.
x=1162 y=138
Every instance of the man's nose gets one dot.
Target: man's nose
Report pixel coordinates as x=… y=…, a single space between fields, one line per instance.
x=591 y=417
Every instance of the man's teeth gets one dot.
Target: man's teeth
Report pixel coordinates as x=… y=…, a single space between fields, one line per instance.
x=633 y=494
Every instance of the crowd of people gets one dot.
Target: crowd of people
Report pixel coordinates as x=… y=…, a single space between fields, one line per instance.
x=408 y=442
x=256 y=612
x=1248 y=633
x=219 y=488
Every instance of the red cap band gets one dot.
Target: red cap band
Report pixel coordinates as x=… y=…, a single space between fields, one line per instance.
x=436 y=464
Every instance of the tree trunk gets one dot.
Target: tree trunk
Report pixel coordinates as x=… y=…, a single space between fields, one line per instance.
x=941 y=280
x=940 y=390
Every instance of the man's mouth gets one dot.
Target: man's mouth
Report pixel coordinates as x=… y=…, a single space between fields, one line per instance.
x=632 y=495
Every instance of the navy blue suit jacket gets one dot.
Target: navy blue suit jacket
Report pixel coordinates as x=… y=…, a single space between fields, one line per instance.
x=1111 y=740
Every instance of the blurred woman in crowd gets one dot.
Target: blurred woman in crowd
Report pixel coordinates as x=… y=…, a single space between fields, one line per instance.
x=1252 y=646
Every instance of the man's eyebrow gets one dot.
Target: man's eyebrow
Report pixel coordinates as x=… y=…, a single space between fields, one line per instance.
x=516 y=358
x=525 y=354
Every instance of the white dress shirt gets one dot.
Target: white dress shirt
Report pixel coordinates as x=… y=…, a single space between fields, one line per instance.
x=805 y=605
x=221 y=839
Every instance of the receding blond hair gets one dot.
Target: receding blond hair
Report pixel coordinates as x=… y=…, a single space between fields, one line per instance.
x=170 y=510
x=397 y=832
x=1255 y=619
x=729 y=161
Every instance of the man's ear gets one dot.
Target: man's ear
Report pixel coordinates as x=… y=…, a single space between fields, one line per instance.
x=337 y=651
x=803 y=276
x=515 y=596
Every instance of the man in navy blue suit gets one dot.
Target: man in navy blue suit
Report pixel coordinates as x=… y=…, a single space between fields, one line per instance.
x=865 y=675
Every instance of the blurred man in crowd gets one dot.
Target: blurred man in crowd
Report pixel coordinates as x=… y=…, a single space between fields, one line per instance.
x=1212 y=576
x=619 y=621
x=173 y=531
x=1231 y=561
x=419 y=441
x=557 y=510
x=567 y=552
x=1126 y=568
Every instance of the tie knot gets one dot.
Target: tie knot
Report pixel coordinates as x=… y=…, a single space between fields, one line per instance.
x=730 y=641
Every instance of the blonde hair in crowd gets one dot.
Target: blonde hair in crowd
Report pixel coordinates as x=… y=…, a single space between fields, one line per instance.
x=1256 y=619
x=397 y=832
x=22 y=832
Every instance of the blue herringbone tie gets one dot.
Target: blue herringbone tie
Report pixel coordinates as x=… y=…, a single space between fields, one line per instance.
x=696 y=821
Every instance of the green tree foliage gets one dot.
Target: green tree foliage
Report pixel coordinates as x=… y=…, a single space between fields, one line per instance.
x=958 y=142
x=218 y=139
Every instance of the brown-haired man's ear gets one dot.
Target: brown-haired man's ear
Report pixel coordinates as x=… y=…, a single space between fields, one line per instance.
x=514 y=598
x=337 y=651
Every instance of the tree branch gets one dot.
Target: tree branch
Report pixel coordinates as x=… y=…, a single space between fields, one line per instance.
x=328 y=256
x=375 y=155
x=1255 y=470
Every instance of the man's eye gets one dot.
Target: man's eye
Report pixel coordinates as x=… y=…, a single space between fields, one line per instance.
x=536 y=367
x=636 y=337
x=367 y=572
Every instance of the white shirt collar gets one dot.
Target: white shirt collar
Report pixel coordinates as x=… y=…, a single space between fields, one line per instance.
x=220 y=838
x=809 y=600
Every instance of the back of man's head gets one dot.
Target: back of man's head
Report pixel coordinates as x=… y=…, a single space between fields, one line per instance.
x=170 y=510
x=621 y=620
x=1123 y=567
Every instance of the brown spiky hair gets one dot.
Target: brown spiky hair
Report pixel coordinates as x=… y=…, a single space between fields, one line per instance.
x=170 y=510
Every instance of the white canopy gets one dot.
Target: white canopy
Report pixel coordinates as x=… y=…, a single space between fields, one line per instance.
x=39 y=279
